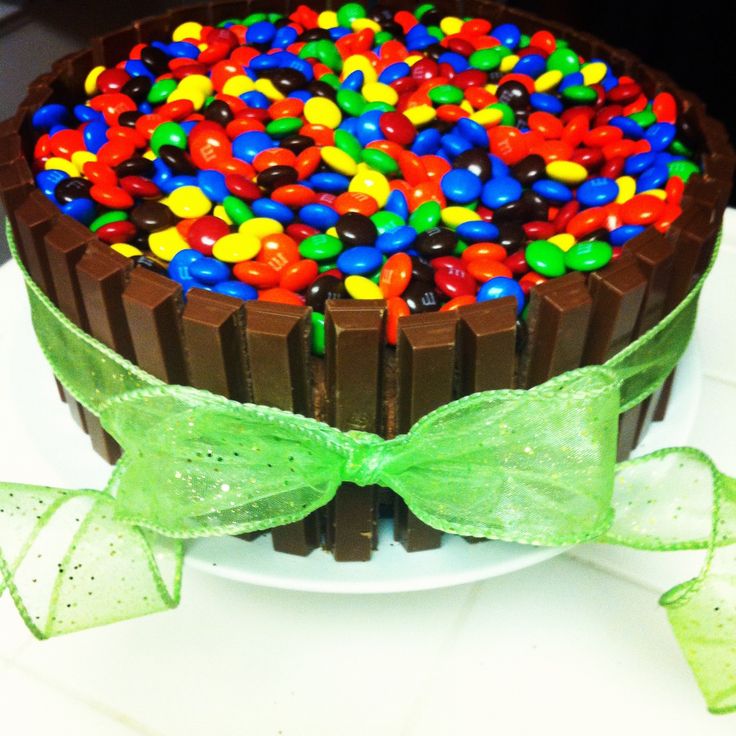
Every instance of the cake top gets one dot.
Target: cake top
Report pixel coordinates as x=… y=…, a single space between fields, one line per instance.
x=430 y=161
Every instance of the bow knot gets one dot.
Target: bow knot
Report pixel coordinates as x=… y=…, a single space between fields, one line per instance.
x=365 y=458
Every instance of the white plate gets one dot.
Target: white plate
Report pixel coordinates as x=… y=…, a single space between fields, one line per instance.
x=39 y=444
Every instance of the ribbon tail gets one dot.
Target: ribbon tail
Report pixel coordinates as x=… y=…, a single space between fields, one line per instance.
x=676 y=499
x=70 y=565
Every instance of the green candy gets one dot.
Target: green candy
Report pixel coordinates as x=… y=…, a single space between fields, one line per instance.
x=435 y=32
x=459 y=248
x=588 y=256
x=488 y=59
x=382 y=106
x=107 y=218
x=645 y=118
x=254 y=18
x=385 y=221
x=318 y=333
x=446 y=94
x=168 y=134
x=351 y=102
x=579 y=93
x=348 y=13
x=508 y=116
x=332 y=79
x=283 y=126
x=680 y=149
x=237 y=210
x=422 y=9
x=545 y=258
x=161 y=90
x=321 y=247
x=325 y=51
x=563 y=60
x=381 y=37
x=380 y=161
x=349 y=143
x=682 y=169
x=327 y=266
x=426 y=216
x=524 y=41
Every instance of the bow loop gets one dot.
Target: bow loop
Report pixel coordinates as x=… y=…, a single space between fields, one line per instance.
x=366 y=458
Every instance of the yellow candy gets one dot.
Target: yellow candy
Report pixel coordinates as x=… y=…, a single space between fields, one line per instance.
x=547 y=81
x=465 y=105
x=487 y=117
x=267 y=88
x=190 y=29
x=127 y=250
x=626 y=188
x=564 y=241
x=236 y=247
x=321 y=111
x=413 y=59
x=658 y=193
x=90 y=81
x=80 y=158
x=360 y=24
x=332 y=231
x=327 y=19
x=339 y=161
x=150 y=155
x=238 y=85
x=166 y=243
x=359 y=63
x=359 y=287
x=373 y=183
x=568 y=172
x=259 y=227
x=220 y=213
x=453 y=216
x=193 y=95
x=450 y=25
x=508 y=62
x=61 y=164
x=379 y=92
x=189 y=201
x=420 y=114
x=594 y=72
x=199 y=82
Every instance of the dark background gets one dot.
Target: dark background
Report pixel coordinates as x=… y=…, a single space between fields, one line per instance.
x=694 y=42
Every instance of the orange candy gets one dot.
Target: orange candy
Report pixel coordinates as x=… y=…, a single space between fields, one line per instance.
x=484 y=250
x=396 y=308
x=257 y=274
x=642 y=209
x=485 y=268
x=280 y=296
x=278 y=251
x=395 y=275
x=297 y=276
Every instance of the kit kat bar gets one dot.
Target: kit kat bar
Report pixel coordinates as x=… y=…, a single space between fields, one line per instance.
x=487 y=338
x=113 y=47
x=558 y=317
x=16 y=182
x=618 y=292
x=198 y=12
x=427 y=366
x=354 y=332
x=277 y=349
x=227 y=10
x=154 y=28
x=152 y=305
x=214 y=334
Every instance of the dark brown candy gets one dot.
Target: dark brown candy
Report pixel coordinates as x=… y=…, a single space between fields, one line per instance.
x=150 y=264
x=288 y=80
x=512 y=212
x=75 y=187
x=218 y=111
x=323 y=288
x=129 y=118
x=537 y=207
x=511 y=236
x=322 y=89
x=314 y=34
x=277 y=176
x=435 y=242
x=177 y=160
x=514 y=94
x=155 y=59
x=297 y=143
x=476 y=161
x=421 y=296
x=137 y=88
x=152 y=216
x=530 y=169
x=356 y=229
x=421 y=270
x=135 y=166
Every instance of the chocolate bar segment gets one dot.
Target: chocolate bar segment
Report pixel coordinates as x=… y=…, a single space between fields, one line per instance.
x=558 y=317
x=152 y=306
x=214 y=333
x=353 y=375
x=487 y=343
x=16 y=182
x=426 y=359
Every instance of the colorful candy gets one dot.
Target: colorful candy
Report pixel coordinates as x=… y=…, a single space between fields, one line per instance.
x=428 y=161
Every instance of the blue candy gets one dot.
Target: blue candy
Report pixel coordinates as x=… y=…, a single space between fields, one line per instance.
x=174 y=182
x=47 y=180
x=95 y=135
x=546 y=103
x=653 y=178
x=329 y=181
x=499 y=287
x=360 y=260
x=395 y=71
x=137 y=68
x=182 y=50
x=426 y=142
x=84 y=113
x=209 y=270
x=555 y=191
x=285 y=36
x=660 y=136
x=255 y=99
x=532 y=65
x=354 y=81
x=623 y=234
x=457 y=61
x=498 y=166
x=260 y=32
x=319 y=216
x=597 y=191
x=49 y=115
x=248 y=145
x=630 y=127
x=501 y=191
x=180 y=265
x=473 y=131
x=212 y=183
x=454 y=144
x=368 y=129
x=270 y=208
x=477 y=231
x=396 y=240
x=397 y=204
x=83 y=210
x=461 y=185
x=508 y=34
x=639 y=162
x=238 y=289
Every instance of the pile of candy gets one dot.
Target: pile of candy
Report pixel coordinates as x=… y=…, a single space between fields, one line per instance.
x=430 y=161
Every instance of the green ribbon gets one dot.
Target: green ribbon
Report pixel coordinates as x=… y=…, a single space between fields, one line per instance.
x=535 y=467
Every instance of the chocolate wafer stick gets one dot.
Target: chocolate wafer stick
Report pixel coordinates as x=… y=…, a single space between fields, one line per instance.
x=228 y=9
x=198 y=12
x=353 y=375
x=426 y=356
x=487 y=342
x=558 y=317
x=16 y=182
x=152 y=305
x=277 y=340
x=154 y=28
x=113 y=47
x=214 y=334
